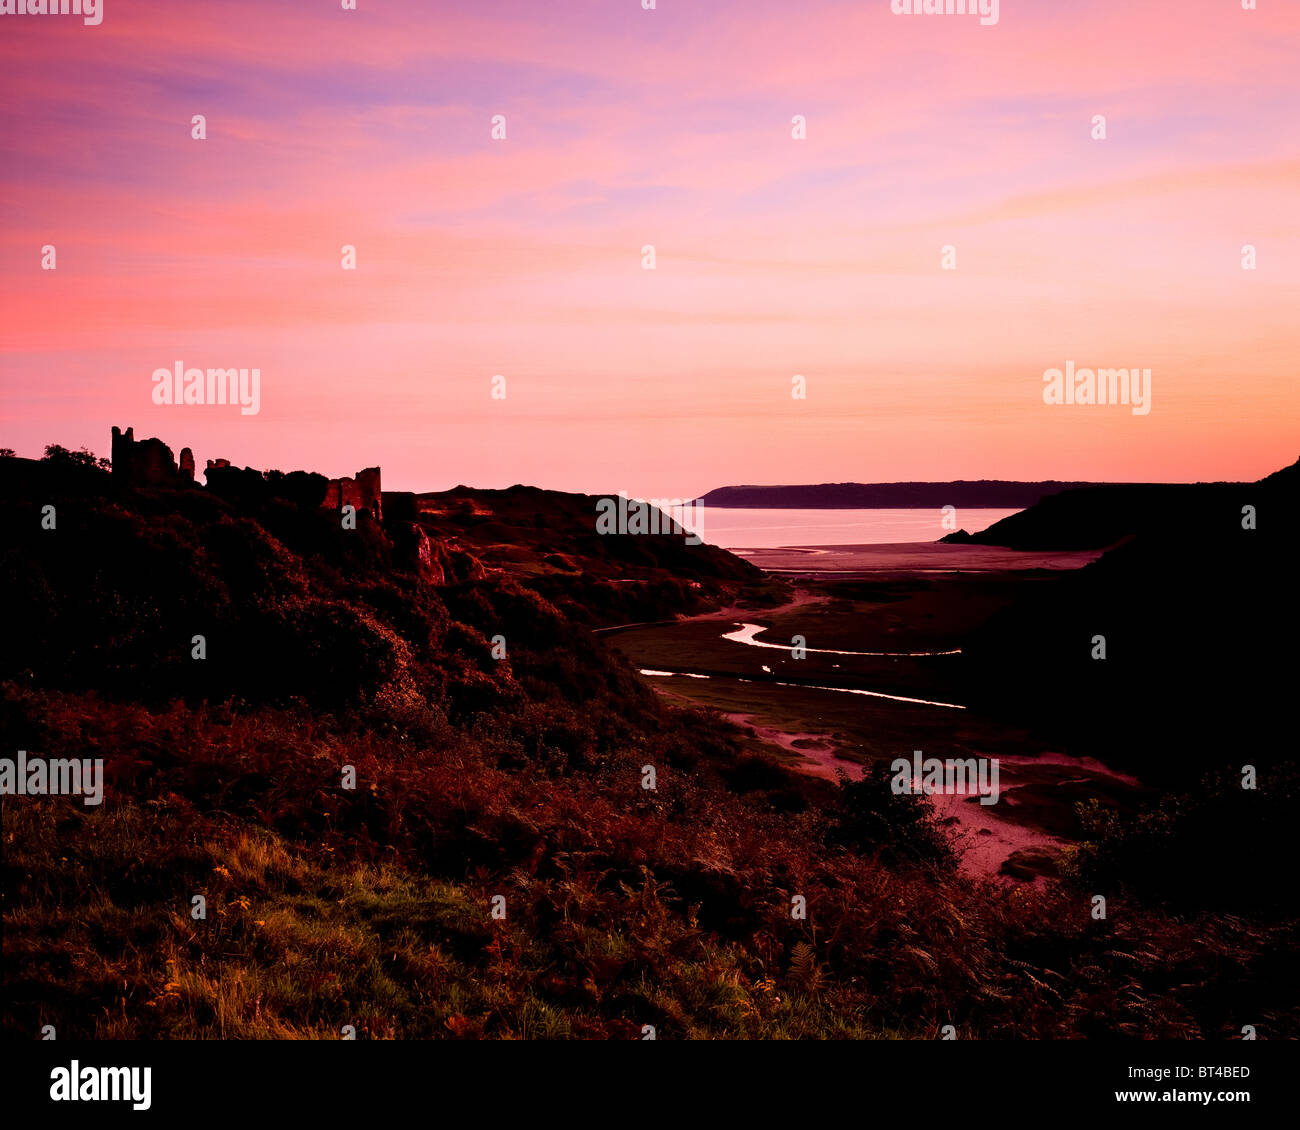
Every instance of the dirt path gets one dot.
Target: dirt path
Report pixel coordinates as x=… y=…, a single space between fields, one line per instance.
x=818 y=750
x=984 y=840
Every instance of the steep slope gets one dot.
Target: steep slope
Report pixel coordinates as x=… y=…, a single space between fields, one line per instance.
x=1198 y=614
x=548 y=542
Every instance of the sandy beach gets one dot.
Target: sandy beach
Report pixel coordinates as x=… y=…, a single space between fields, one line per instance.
x=848 y=561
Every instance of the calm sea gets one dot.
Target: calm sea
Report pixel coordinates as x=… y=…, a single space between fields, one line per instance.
x=767 y=529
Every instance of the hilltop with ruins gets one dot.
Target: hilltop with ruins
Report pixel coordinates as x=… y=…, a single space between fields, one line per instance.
x=150 y=464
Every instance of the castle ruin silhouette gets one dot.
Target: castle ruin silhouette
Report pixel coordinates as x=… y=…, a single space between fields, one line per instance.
x=150 y=463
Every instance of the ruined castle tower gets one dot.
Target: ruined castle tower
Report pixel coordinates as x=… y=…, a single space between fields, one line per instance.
x=145 y=463
x=149 y=463
x=123 y=442
x=363 y=492
x=371 y=494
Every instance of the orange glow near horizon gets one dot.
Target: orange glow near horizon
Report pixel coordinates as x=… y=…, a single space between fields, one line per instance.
x=775 y=257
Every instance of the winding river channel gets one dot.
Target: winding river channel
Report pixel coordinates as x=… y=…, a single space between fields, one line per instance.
x=746 y=632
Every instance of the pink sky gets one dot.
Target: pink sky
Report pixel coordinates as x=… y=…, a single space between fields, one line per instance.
x=670 y=127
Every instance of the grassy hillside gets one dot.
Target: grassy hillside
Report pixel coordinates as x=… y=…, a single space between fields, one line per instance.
x=547 y=541
x=479 y=777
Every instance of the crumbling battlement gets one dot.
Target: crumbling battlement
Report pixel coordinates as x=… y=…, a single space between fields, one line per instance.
x=149 y=462
x=363 y=492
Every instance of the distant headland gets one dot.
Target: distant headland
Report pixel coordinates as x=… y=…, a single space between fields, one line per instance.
x=991 y=494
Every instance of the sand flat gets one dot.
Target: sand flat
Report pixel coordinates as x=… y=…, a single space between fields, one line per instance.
x=847 y=561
